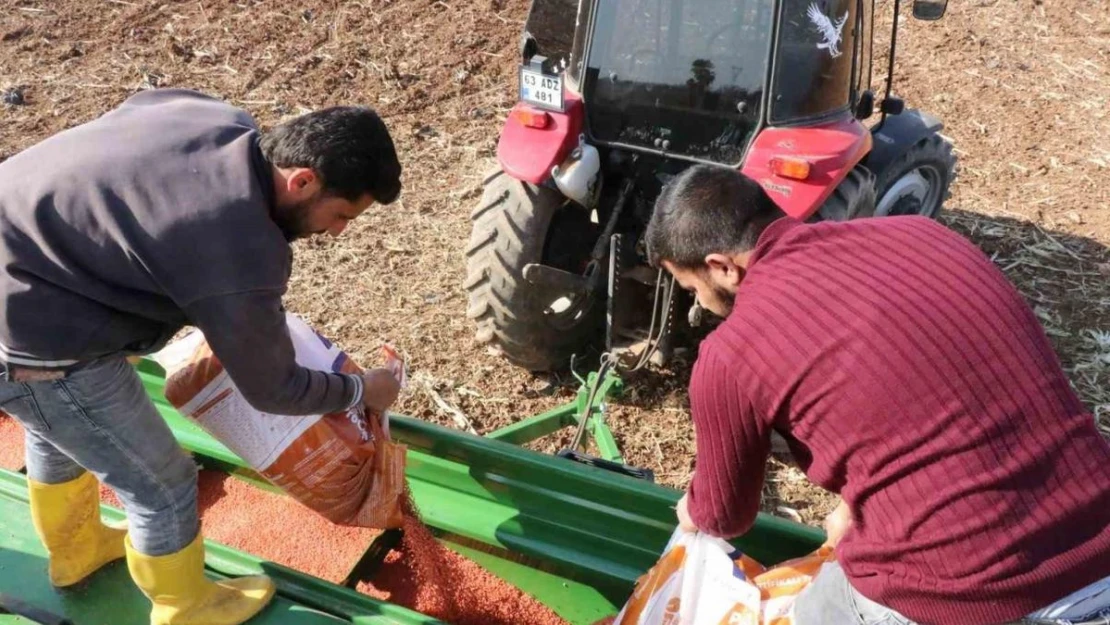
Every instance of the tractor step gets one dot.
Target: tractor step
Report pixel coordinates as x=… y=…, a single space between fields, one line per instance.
x=555 y=280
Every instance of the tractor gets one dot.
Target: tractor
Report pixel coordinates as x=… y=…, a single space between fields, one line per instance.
x=616 y=97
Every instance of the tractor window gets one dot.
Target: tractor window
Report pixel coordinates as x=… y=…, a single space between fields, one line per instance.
x=551 y=24
x=678 y=76
x=813 y=65
x=581 y=38
x=865 y=45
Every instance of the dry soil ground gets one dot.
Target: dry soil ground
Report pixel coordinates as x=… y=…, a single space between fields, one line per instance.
x=1021 y=85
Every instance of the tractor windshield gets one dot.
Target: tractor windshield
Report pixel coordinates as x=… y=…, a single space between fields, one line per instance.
x=680 y=76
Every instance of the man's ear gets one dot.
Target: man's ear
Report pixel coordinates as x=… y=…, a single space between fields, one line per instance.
x=723 y=270
x=301 y=180
x=719 y=263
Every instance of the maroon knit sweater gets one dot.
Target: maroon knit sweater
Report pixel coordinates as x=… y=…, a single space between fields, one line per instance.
x=909 y=376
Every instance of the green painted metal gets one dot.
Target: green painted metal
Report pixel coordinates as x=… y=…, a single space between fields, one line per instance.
x=603 y=436
x=558 y=418
x=573 y=536
x=590 y=531
x=610 y=387
x=607 y=528
x=109 y=597
x=442 y=508
x=538 y=426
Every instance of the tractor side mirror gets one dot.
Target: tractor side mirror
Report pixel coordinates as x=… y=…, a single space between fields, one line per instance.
x=892 y=106
x=929 y=10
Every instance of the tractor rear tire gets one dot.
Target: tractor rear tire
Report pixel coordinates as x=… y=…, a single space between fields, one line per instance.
x=918 y=182
x=516 y=224
x=853 y=198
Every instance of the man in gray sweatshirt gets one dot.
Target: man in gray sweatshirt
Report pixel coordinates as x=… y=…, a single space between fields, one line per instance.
x=172 y=209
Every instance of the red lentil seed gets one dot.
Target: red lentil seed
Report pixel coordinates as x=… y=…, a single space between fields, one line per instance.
x=430 y=578
x=11 y=443
x=422 y=574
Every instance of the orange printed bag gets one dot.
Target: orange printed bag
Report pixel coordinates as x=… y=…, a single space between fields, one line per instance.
x=780 y=585
x=342 y=465
x=703 y=580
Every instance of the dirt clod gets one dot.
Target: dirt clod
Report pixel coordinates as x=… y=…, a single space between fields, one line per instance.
x=18 y=33
x=14 y=97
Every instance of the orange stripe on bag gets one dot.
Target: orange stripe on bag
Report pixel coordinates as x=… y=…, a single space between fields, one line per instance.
x=749 y=567
x=648 y=584
x=740 y=614
x=791 y=577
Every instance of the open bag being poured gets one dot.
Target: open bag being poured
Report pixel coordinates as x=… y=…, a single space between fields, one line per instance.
x=342 y=465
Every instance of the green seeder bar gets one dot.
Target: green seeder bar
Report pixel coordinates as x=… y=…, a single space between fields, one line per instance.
x=573 y=536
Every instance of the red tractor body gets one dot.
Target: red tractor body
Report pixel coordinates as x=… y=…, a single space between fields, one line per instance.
x=617 y=97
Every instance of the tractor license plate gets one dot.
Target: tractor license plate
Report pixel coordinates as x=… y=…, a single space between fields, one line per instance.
x=541 y=90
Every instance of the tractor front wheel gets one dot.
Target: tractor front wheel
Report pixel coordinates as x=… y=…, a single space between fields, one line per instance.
x=516 y=224
x=917 y=183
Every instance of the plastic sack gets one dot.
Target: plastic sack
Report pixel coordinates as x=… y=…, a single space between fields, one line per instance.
x=342 y=465
x=703 y=580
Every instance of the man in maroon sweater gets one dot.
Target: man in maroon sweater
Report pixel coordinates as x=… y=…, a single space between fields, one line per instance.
x=907 y=375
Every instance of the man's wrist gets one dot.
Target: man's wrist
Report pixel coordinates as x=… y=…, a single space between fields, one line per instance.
x=359 y=389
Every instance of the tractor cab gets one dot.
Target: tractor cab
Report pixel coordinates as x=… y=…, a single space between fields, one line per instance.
x=617 y=96
x=691 y=78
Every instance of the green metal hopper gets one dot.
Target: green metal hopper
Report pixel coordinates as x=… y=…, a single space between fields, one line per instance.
x=575 y=537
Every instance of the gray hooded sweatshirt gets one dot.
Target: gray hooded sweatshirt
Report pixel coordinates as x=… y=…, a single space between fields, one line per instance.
x=117 y=233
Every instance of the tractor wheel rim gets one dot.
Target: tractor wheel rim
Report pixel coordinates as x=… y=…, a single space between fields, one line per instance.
x=567 y=310
x=915 y=193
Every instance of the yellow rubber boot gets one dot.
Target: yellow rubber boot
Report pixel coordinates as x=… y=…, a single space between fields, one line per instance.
x=66 y=517
x=182 y=595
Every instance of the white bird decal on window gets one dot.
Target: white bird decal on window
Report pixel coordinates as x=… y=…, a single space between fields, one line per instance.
x=830 y=32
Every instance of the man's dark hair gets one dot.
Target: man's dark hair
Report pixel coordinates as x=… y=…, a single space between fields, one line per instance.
x=708 y=210
x=349 y=147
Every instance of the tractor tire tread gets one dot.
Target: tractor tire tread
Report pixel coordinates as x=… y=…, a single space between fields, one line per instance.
x=934 y=146
x=509 y=229
x=853 y=198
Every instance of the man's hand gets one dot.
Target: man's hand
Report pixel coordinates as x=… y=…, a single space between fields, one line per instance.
x=380 y=390
x=837 y=524
x=684 y=520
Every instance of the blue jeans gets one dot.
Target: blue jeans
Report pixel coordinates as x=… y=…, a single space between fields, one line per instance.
x=830 y=598
x=99 y=418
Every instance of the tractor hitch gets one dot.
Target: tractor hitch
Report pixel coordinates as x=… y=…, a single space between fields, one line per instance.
x=588 y=413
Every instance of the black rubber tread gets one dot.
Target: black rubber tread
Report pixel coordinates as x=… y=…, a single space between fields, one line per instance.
x=935 y=149
x=508 y=230
x=853 y=198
